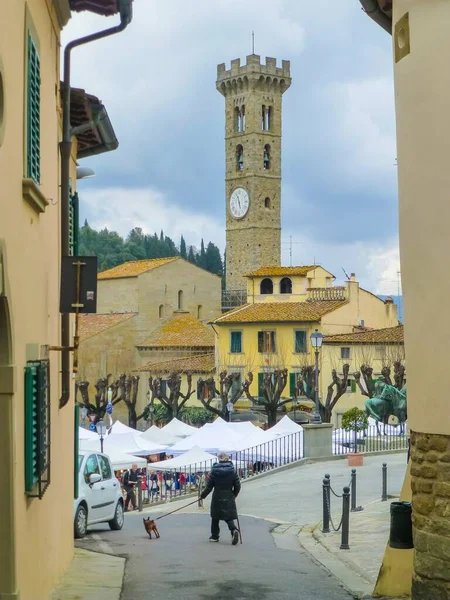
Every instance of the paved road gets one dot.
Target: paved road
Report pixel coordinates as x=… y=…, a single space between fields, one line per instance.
x=183 y=564
x=267 y=566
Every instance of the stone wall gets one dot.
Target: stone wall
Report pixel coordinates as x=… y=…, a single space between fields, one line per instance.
x=430 y=482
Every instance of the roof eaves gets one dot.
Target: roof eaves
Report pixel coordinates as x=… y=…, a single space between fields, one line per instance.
x=382 y=15
x=62 y=9
x=106 y=8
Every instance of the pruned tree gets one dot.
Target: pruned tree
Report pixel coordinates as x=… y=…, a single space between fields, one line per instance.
x=229 y=388
x=175 y=399
x=273 y=384
x=97 y=405
x=336 y=389
x=126 y=388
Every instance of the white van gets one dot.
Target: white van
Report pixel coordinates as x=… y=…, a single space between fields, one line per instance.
x=100 y=498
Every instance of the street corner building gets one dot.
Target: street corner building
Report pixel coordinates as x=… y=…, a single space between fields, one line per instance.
x=37 y=413
x=419 y=37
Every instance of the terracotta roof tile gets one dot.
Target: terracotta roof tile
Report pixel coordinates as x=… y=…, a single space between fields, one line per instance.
x=274 y=312
x=199 y=363
x=182 y=330
x=92 y=324
x=134 y=268
x=274 y=271
x=389 y=335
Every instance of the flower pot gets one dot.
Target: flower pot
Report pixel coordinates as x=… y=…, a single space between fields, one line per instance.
x=355 y=459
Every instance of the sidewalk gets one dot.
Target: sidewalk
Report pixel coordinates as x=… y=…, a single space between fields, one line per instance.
x=359 y=566
x=91 y=576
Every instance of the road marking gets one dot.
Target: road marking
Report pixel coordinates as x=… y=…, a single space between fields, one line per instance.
x=104 y=546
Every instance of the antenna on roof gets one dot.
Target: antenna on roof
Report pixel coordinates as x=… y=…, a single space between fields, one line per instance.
x=253 y=42
x=345 y=273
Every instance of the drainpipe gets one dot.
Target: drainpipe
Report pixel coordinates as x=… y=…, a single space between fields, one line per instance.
x=373 y=10
x=125 y=8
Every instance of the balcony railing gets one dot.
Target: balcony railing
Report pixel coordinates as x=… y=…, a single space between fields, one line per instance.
x=332 y=293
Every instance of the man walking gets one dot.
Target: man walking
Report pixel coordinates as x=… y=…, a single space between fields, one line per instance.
x=226 y=485
x=130 y=480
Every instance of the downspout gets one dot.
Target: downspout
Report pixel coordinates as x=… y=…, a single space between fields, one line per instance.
x=373 y=10
x=66 y=150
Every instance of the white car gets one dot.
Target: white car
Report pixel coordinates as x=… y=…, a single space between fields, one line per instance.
x=100 y=498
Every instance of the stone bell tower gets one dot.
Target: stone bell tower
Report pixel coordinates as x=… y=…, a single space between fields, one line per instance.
x=253 y=99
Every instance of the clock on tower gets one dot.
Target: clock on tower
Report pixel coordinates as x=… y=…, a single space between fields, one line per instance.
x=253 y=99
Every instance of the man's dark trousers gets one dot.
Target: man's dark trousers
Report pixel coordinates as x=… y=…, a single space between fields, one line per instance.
x=215 y=529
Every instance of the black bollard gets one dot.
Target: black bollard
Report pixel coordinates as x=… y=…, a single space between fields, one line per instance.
x=353 y=490
x=384 y=483
x=326 y=504
x=345 y=519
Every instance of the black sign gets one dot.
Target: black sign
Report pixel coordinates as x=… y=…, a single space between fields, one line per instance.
x=78 y=273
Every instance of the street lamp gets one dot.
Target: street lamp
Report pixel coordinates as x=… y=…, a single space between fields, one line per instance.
x=316 y=342
x=229 y=410
x=101 y=430
x=151 y=410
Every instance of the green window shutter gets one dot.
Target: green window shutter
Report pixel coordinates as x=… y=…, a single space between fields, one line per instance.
x=272 y=342
x=31 y=426
x=260 y=385
x=33 y=113
x=260 y=341
x=293 y=385
x=76 y=450
x=236 y=342
x=73 y=225
x=300 y=341
x=353 y=382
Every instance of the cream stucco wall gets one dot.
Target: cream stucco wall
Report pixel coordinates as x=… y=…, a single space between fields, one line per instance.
x=317 y=278
x=37 y=535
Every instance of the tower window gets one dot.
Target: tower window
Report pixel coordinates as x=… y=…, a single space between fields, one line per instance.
x=239 y=118
x=199 y=312
x=266 y=157
x=267 y=203
x=285 y=286
x=239 y=158
x=266 y=118
x=180 y=300
x=161 y=311
x=266 y=286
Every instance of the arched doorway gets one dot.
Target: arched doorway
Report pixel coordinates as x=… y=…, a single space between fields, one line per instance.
x=8 y=583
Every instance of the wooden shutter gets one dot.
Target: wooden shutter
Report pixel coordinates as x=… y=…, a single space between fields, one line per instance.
x=33 y=113
x=353 y=382
x=73 y=225
x=272 y=347
x=31 y=426
x=293 y=385
x=260 y=341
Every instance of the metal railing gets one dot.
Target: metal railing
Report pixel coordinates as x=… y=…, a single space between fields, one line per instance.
x=249 y=462
x=371 y=439
x=332 y=293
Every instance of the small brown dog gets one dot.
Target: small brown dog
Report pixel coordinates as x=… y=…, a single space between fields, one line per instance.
x=150 y=526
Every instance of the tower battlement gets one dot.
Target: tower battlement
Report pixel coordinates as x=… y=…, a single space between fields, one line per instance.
x=254 y=67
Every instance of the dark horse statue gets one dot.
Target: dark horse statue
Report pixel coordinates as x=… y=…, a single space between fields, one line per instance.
x=387 y=401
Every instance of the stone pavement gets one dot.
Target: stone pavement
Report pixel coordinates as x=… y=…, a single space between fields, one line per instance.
x=91 y=576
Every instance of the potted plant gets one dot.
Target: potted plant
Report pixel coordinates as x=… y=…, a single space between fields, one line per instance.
x=355 y=420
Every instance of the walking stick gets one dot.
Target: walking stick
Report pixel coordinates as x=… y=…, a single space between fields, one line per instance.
x=176 y=510
x=239 y=528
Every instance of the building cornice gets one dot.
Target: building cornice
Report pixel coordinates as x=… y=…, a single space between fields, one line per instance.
x=62 y=9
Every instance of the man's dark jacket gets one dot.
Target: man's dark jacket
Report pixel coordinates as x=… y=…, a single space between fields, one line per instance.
x=225 y=482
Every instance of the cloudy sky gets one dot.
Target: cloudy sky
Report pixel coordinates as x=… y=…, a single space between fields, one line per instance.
x=157 y=81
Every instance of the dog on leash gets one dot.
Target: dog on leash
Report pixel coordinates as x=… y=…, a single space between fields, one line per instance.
x=150 y=526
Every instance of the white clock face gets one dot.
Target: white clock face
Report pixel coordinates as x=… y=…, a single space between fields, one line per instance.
x=239 y=203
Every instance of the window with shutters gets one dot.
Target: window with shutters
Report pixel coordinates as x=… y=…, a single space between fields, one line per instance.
x=351 y=386
x=266 y=341
x=300 y=344
x=33 y=112
x=73 y=225
x=345 y=353
x=37 y=428
x=236 y=385
x=236 y=342
x=203 y=391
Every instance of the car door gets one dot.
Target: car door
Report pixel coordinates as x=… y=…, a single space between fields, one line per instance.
x=94 y=493
x=110 y=487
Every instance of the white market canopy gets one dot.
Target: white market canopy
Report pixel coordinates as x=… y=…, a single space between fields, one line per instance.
x=158 y=436
x=194 y=459
x=119 y=427
x=179 y=429
x=87 y=434
x=210 y=439
x=285 y=426
x=126 y=443
x=121 y=461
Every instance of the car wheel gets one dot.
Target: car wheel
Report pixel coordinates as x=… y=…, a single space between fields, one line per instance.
x=117 y=522
x=80 y=524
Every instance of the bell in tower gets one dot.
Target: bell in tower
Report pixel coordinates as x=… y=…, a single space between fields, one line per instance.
x=253 y=114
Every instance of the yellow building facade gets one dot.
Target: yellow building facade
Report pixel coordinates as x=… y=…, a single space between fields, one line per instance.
x=285 y=306
x=36 y=421
x=420 y=41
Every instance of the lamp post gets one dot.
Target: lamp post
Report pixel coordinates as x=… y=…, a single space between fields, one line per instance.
x=151 y=410
x=229 y=410
x=101 y=430
x=316 y=342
